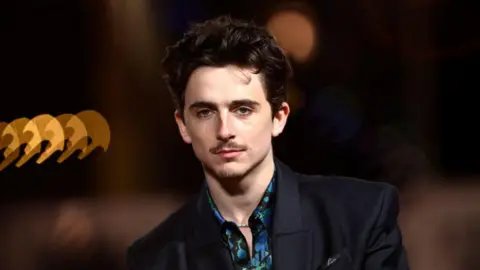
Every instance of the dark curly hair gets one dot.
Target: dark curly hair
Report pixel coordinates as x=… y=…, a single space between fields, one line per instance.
x=226 y=41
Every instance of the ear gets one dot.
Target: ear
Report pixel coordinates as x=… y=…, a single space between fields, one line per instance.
x=280 y=119
x=182 y=128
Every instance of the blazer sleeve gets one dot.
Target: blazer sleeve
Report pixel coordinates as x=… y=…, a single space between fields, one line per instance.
x=385 y=250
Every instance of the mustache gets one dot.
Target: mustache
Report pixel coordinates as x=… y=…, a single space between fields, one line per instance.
x=227 y=145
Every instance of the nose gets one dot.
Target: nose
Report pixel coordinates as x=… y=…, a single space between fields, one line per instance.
x=224 y=132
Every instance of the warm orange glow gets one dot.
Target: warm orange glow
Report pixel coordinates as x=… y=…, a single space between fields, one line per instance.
x=295 y=33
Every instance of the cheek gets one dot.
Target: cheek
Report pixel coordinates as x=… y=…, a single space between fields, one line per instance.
x=201 y=131
x=258 y=133
x=198 y=130
x=200 y=134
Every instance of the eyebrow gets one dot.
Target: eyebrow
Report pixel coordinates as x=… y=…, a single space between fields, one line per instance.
x=213 y=106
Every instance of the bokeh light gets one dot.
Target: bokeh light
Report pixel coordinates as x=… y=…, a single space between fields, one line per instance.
x=295 y=32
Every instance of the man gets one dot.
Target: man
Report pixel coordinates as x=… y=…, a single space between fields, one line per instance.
x=227 y=79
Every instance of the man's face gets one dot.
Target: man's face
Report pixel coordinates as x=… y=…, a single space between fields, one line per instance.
x=228 y=120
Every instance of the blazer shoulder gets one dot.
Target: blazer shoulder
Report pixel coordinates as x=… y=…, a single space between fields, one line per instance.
x=345 y=188
x=171 y=230
x=358 y=199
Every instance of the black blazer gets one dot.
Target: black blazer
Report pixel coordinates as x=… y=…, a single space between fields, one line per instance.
x=319 y=223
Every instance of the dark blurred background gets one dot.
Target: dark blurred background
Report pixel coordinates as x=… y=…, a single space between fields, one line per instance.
x=382 y=90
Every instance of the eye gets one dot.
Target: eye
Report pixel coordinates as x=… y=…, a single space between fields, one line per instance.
x=244 y=111
x=204 y=113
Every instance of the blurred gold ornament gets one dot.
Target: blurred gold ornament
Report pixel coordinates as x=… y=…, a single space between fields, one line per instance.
x=66 y=132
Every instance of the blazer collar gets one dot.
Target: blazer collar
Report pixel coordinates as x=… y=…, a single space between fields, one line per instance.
x=292 y=241
x=287 y=216
x=206 y=230
x=204 y=242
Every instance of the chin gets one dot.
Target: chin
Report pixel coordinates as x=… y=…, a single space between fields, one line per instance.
x=225 y=174
x=231 y=170
x=228 y=170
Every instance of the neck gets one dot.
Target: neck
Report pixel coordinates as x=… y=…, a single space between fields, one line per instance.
x=236 y=199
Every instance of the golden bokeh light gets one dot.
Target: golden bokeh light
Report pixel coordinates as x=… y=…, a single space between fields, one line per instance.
x=295 y=33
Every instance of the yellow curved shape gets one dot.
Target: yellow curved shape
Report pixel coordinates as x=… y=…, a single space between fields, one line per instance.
x=98 y=130
x=75 y=133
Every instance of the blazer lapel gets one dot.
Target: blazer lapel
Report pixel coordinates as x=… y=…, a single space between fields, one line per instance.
x=292 y=239
x=211 y=257
x=204 y=243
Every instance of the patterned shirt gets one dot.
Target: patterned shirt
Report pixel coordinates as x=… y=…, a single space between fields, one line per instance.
x=260 y=224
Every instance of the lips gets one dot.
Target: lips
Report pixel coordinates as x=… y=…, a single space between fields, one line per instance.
x=228 y=150
x=229 y=153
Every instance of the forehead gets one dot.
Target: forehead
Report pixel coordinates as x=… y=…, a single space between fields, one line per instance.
x=224 y=84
